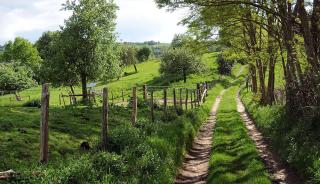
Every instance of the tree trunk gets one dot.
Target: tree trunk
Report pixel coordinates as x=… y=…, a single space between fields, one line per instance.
x=135 y=68
x=315 y=28
x=253 y=74
x=270 y=92
x=309 y=41
x=84 y=86
x=72 y=90
x=262 y=85
x=74 y=99
x=184 y=76
x=272 y=54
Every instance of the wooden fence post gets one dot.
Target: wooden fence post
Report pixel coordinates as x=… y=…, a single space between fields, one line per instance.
x=191 y=94
x=44 y=126
x=145 y=95
x=165 y=99
x=180 y=95
x=195 y=98
x=64 y=102
x=105 y=116
x=207 y=88
x=186 y=102
x=197 y=90
x=151 y=106
x=134 y=106
x=174 y=98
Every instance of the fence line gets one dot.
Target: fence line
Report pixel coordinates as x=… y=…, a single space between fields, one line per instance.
x=195 y=97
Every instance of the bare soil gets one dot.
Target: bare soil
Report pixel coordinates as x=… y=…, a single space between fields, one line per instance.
x=279 y=173
x=196 y=163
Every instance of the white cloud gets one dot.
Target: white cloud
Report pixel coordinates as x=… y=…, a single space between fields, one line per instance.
x=20 y=17
x=138 y=20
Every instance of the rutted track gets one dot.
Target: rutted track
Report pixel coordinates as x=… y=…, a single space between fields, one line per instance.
x=279 y=173
x=196 y=163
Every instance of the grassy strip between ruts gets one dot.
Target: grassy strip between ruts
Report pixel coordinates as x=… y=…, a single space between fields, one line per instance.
x=234 y=156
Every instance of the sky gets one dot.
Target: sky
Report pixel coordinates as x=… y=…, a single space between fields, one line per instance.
x=138 y=20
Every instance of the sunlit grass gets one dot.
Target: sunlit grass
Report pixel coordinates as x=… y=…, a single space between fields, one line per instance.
x=234 y=157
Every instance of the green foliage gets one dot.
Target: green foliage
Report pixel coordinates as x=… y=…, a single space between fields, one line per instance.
x=32 y=103
x=22 y=53
x=178 y=63
x=56 y=68
x=128 y=57
x=14 y=77
x=224 y=66
x=294 y=140
x=89 y=40
x=143 y=54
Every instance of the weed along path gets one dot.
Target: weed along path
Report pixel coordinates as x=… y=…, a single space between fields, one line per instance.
x=278 y=172
x=196 y=163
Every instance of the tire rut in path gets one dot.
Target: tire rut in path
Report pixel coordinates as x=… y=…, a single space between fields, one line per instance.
x=196 y=163
x=279 y=173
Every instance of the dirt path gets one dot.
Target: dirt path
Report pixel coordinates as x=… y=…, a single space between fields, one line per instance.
x=278 y=172
x=196 y=163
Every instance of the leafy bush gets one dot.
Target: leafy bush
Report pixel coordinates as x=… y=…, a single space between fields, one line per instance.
x=109 y=163
x=143 y=54
x=170 y=115
x=224 y=66
x=32 y=103
x=14 y=77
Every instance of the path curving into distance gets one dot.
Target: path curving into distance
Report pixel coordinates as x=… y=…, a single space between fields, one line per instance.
x=278 y=172
x=196 y=163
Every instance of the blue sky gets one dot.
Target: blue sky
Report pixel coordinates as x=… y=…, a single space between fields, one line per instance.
x=138 y=20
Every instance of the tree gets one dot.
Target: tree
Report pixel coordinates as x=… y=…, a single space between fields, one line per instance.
x=180 y=63
x=56 y=68
x=89 y=40
x=143 y=54
x=265 y=29
x=13 y=77
x=128 y=57
x=22 y=53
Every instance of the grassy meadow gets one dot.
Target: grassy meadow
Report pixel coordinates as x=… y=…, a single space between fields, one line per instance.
x=146 y=153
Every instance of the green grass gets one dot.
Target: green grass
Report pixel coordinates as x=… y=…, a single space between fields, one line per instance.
x=295 y=140
x=147 y=153
x=234 y=157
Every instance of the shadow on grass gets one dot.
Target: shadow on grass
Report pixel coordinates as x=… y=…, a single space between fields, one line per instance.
x=234 y=158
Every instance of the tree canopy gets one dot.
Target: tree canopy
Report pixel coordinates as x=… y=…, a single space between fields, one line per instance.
x=143 y=54
x=179 y=63
x=85 y=49
x=265 y=32
x=21 y=53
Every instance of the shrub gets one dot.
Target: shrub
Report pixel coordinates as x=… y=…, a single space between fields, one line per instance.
x=32 y=103
x=170 y=115
x=15 y=77
x=224 y=66
x=109 y=163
